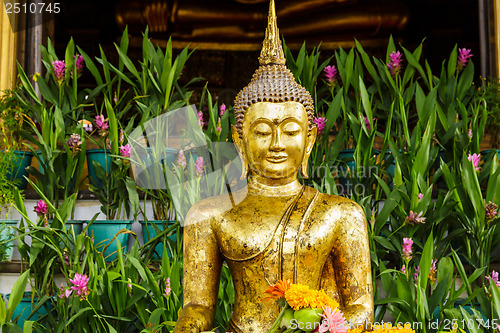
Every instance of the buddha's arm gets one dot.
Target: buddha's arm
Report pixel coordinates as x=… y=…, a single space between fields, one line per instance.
x=351 y=258
x=202 y=266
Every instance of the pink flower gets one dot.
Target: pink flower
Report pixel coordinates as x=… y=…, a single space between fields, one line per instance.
x=79 y=63
x=80 y=285
x=198 y=166
x=181 y=159
x=493 y=278
x=65 y=293
x=415 y=275
x=200 y=119
x=407 y=251
x=125 y=150
x=320 y=124
x=464 y=56
x=330 y=74
x=218 y=126
x=395 y=63
x=470 y=134
x=168 y=290
x=222 y=109
x=491 y=210
x=403 y=269
x=59 y=69
x=367 y=123
x=41 y=208
x=420 y=196
x=333 y=321
x=122 y=136
x=74 y=141
x=433 y=271
x=415 y=218
x=101 y=124
x=475 y=159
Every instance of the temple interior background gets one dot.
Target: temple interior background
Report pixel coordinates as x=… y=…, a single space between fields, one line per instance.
x=228 y=33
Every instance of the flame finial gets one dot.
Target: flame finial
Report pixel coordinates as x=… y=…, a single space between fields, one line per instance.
x=272 y=49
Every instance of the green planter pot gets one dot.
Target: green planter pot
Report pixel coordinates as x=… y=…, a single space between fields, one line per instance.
x=149 y=232
x=76 y=225
x=102 y=157
x=21 y=160
x=105 y=230
x=25 y=308
x=6 y=232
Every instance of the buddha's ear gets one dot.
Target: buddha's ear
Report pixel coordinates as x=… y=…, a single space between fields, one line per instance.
x=238 y=142
x=310 y=140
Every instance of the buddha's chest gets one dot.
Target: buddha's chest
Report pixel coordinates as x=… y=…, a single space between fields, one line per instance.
x=276 y=241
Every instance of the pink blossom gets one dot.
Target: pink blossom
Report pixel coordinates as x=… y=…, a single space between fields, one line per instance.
x=59 y=70
x=395 y=63
x=125 y=150
x=407 y=251
x=420 y=196
x=168 y=290
x=413 y=218
x=79 y=63
x=464 y=56
x=367 y=123
x=200 y=119
x=74 y=141
x=198 y=166
x=102 y=124
x=470 y=134
x=181 y=159
x=330 y=74
x=333 y=322
x=494 y=278
x=80 y=285
x=415 y=275
x=64 y=292
x=491 y=210
x=320 y=124
x=122 y=137
x=403 y=269
x=219 y=126
x=222 y=109
x=41 y=208
x=475 y=159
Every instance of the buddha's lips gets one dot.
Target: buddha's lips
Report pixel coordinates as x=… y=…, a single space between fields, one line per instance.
x=276 y=158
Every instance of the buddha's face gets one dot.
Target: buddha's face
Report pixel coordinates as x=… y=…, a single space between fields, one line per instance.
x=276 y=140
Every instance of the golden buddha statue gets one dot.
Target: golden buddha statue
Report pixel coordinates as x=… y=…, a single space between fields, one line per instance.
x=275 y=228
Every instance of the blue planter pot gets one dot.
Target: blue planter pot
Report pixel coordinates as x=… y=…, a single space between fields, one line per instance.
x=8 y=233
x=149 y=232
x=25 y=308
x=105 y=230
x=102 y=157
x=21 y=160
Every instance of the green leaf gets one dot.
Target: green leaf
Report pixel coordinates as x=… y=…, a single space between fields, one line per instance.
x=17 y=294
x=426 y=262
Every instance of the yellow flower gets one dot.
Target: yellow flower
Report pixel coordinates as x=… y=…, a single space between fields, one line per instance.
x=35 y=76
x=299 y=296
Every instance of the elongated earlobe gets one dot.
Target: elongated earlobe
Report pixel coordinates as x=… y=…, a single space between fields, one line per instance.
x=239 y=147
x=303 y=169
x=311 y=139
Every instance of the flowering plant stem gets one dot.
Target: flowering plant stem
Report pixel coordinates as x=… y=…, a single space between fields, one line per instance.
x=277 y=323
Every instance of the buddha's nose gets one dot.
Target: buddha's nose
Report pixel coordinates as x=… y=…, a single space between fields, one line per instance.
x=276 y=142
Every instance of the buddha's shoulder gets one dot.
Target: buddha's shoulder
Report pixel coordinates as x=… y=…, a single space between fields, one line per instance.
x=215 y=206
x=334 y=207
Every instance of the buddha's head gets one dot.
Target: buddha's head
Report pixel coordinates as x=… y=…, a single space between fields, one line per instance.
x=274 y=129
